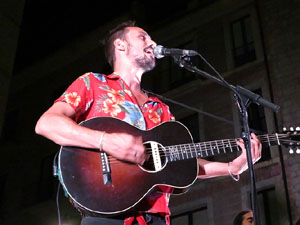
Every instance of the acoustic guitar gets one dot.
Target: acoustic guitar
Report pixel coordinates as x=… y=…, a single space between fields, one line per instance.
x=102 y=184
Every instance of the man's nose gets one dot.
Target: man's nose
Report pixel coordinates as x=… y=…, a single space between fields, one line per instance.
x=152 y=43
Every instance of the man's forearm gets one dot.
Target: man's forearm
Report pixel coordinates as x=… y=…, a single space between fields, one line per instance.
x=64 y=131
x=209 y=169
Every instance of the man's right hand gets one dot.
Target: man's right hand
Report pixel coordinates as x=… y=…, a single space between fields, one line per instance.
x=124 y=146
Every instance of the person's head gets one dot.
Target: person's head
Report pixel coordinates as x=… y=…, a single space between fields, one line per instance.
x=244 y=217
x=132 y=41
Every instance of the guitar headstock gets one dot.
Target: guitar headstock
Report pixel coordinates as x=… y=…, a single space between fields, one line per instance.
x=292 y=140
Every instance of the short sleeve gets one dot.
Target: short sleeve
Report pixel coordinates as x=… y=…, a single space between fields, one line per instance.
x=167 y=115
x=78 y=95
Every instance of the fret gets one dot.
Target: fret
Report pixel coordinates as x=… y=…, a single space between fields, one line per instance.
x=201 y=150
x=229 y=144
x=177 y=153
x=186 y=152
x=169 y=153
x=186 y=149
x=205 y=148
x=217 y=147
x=211 y=148
x=278 y=142
x=237 y=147
x=190 y=149
x=181 y=152
x=198 y=150
x=193 y=151
x=224 y=148
x=269 y=143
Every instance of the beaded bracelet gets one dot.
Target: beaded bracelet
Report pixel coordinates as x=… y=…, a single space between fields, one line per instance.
x=234 y=177
x=101 y=141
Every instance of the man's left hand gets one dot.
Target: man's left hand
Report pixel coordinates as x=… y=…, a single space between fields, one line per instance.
x=239 y=164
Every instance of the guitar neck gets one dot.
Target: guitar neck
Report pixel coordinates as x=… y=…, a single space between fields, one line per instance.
x=212 y=148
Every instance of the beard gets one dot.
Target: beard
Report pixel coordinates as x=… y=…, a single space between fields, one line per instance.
x=144 y=62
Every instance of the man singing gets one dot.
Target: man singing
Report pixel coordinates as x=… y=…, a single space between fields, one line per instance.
x=129 y=50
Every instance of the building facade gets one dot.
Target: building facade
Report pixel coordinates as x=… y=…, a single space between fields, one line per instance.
x=251 y=43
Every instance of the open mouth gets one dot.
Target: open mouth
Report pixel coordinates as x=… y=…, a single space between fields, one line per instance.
x=149 y=51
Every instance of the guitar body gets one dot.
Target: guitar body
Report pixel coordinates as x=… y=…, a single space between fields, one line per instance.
x=82 y=177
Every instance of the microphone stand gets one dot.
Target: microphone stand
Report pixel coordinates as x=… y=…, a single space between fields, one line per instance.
x=243 y=97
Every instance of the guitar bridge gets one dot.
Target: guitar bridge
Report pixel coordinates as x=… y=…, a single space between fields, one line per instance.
x=105 y=168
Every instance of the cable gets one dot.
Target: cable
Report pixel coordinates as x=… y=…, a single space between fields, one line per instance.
x=57 y=204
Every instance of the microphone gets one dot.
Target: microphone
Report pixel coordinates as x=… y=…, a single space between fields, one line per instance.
x=160 y=52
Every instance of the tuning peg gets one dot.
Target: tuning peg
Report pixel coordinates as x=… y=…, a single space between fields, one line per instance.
x=284 y=129
x=297 y=128
x=298 y=150
x=291 y=151
x=291 y=128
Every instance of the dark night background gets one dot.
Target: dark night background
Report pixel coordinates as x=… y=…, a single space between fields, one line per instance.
x=46 y=44
x=48 y=25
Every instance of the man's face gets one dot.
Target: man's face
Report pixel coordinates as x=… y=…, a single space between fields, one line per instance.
x=140 y=48
x=248 y=219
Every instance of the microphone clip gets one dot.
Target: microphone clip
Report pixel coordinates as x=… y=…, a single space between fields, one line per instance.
x=182 y=60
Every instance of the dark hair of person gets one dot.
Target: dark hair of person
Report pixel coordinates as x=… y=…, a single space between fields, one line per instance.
x=239 y=217
x=118 y=32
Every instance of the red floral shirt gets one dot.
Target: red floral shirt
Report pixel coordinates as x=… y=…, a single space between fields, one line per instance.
x=94 y=95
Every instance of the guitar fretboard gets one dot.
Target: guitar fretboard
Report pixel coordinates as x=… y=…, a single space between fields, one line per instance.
x=211 y=148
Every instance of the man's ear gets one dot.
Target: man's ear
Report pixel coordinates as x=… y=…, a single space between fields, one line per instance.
x=120 y=45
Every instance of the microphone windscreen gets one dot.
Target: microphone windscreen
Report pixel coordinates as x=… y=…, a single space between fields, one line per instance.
x=157 y=51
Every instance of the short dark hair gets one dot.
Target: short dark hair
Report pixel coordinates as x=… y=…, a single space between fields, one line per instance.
x=118 y=32
x=239 y=217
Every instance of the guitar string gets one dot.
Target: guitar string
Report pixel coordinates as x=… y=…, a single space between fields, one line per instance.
x=194 y=147
x=223 y=145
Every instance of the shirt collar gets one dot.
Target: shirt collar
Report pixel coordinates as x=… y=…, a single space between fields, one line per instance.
x=113 y=75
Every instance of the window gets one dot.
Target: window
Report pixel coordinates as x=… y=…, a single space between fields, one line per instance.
x=195 y=217
x=242 y=41
x=268 y=207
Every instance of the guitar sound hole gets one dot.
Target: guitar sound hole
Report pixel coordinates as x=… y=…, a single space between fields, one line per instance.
x=157 y=158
